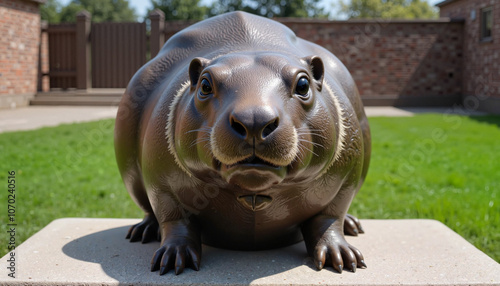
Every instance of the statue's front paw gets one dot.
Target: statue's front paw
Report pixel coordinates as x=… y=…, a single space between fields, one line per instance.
x=181 y=248
x=339 y=254
x=176 y=256
x=327 y=246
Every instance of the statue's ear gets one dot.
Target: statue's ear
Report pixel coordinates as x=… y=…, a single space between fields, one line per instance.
x=317 y=69
x=195 y=68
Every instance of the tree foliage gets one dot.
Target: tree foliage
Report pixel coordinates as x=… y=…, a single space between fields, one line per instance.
x=193 y=10
x=388 y=9
x=101 y=10
x=271 y=8
x=181 y=9
x=223 y=6
x=119 y=10
x=50 y=11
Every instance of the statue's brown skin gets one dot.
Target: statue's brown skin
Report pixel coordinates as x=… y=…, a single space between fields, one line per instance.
x=240 y=135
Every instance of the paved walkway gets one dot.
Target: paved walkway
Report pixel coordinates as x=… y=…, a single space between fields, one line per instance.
x=33 y=117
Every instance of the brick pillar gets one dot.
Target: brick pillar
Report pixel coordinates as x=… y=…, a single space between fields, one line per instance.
x=43 y=59
x=83 y=75
x=157 y=38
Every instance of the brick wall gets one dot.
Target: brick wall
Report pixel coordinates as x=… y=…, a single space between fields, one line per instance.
x=395 y=62
x=405 y=63
x=481 y=84
x=19 y=43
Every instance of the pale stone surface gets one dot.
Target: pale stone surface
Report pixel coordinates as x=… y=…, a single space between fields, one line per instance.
x=398 y=252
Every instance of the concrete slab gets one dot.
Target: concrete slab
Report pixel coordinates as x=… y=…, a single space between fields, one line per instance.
x=33 y=117
x=398 y=252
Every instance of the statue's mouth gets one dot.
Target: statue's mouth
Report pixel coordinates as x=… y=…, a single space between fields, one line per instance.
x=255 y=202
x=253 y=174
x=252 y=161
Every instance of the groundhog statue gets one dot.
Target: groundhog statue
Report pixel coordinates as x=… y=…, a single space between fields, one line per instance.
x=240 y=135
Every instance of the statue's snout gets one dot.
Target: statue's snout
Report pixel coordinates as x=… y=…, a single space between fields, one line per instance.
x=254 y=123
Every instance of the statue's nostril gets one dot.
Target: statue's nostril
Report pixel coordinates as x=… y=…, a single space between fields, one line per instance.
x=238 y=127
x=270 y=127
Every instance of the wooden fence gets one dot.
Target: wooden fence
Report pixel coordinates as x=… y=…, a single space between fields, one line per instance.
x=118 y=51
x=99 y=55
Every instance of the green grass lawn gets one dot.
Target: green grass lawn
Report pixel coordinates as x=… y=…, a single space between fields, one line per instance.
x=443 y=167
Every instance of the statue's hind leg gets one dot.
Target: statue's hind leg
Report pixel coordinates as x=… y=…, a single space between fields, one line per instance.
x=147 y=230
x=352 y=225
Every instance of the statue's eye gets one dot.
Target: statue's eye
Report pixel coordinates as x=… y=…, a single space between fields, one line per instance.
x=205 y=87
x=302 y=88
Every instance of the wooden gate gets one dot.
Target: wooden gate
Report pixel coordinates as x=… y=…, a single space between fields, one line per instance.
x=62 y=55
x=118 y=51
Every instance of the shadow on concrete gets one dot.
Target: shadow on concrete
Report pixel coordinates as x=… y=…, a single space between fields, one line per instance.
x=129 y=263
